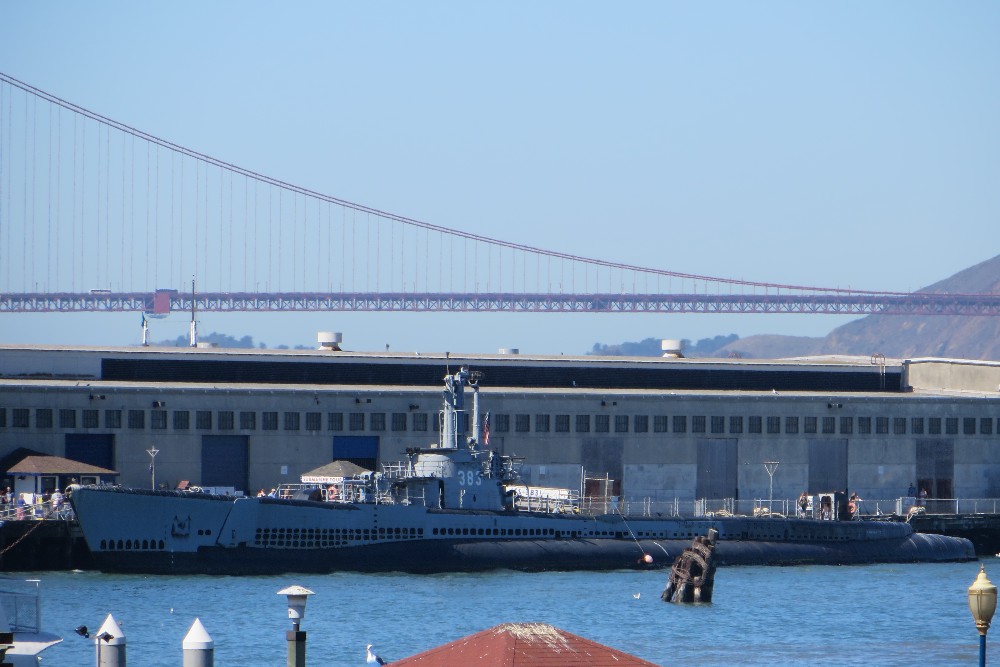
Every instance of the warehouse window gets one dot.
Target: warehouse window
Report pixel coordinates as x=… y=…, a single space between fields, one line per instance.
x=377 y=421
x=986 y=426
x=502 y=423
x=562 y=423
x=203 y=420
x=182 y=420
x=136 y=419
x=829 y=425
x=660 y=423
x=621 y=423
x=791 y=425
x=881 y=425
x=522 y=423
x=809 y=424
x=934 y=425
x=969 y=425
x=88 y=419
x=398 y=421
x=43 y=418
x=864 y=425
x=541 y=423
x=698 y=424
x=248 y=421
x=357 y=421
x=583 y=423
x=899 y=425
x=640 y=423
x=774 y=424
x=3 y=417
x=158 y=419
x=736 y=424
x=335 y=421
x=314 y=421
x=847 y=425
x=718 y=424
x=67 y=419
x=917 y=425
x=755 y=424
x=602 y=423
x=680 y=424
x=419 y=421
x=951 y=426
x=21 y=417
x=269 y=421
x=227 y=420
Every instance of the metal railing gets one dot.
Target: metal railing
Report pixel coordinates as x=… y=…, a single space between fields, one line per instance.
x=866 y=508
x=36 y=511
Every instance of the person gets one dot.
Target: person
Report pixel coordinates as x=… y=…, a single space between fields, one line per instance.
x=261 y=494
x=57 y=502
x=273 y=494
x=803 y=503
x=912 y=491
x=852 y=504
x=922 y=496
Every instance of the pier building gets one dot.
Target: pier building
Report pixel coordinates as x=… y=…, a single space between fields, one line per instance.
x=658 y=428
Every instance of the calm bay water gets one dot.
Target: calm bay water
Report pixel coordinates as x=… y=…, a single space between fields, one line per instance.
x=879 y=614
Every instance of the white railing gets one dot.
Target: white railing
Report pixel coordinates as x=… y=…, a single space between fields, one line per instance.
x=865 y=508
x=36 y=511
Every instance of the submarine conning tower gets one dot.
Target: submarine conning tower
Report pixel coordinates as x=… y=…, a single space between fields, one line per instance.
x=453 y=424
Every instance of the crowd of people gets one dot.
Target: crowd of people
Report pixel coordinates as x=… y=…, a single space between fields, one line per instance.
x=28 y=505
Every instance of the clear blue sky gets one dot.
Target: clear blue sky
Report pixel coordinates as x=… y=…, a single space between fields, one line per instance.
x=830 y=144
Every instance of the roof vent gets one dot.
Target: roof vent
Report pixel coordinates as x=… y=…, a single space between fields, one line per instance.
x=329 y=340
x=509 y=350
x=671 y=348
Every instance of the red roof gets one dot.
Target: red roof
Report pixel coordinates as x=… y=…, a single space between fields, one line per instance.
x=523 y=645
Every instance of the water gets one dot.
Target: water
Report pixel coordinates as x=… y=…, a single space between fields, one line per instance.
x=879 y=614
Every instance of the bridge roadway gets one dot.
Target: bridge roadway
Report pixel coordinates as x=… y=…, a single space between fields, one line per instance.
x=163 y=302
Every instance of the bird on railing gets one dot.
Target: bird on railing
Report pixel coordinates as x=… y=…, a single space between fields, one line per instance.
x=371 y=658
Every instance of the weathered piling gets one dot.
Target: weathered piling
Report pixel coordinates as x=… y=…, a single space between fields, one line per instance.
x=692 y=577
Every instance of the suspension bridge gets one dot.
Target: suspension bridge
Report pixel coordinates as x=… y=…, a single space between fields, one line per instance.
x=98 y=216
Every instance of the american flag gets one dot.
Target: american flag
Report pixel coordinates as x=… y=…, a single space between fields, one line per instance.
x=486 y=429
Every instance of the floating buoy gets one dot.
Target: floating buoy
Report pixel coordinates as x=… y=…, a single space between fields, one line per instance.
x=646 y=558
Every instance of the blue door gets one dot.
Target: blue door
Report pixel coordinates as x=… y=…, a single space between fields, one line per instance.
x=360 y=450
x=224 y=461
x=96 y=449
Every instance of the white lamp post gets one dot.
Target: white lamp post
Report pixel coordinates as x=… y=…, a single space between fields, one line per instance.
x=297 y=596
x=152 y=451
x=982 y=604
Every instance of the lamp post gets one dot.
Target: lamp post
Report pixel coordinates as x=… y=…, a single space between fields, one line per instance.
x=152 y=451
x=297 y=596
x=770 y=467
x=982 y=604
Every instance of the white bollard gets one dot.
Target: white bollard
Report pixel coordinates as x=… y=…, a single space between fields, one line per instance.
x=110 y=644
x=199 y=649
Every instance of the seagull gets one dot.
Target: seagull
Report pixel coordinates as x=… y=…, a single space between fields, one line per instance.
x=636 y=595
x=371 y=658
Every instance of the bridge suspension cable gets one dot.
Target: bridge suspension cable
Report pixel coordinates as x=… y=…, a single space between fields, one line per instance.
x=101 y=207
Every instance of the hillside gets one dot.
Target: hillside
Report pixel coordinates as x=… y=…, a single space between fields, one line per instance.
x=892 y=335
x=898 y=335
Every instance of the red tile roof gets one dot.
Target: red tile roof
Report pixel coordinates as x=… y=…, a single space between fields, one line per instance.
x=523 y=645
x=55 y=465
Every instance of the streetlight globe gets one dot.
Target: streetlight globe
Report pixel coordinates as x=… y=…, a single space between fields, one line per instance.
x=982 y=601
